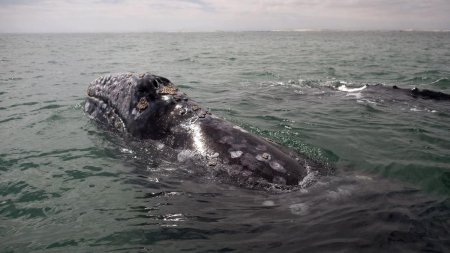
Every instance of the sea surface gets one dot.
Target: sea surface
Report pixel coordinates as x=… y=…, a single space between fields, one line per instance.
x=68 y=185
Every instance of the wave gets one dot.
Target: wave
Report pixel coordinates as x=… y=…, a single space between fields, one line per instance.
x=443 y=83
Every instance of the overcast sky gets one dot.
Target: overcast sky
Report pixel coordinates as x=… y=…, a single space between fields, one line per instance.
x=227 y=15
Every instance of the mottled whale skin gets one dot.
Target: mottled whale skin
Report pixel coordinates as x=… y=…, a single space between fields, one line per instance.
x=150 y=107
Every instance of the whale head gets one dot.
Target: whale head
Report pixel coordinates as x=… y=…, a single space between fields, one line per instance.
x=143 y=105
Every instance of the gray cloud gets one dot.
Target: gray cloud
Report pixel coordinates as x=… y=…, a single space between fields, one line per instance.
x=20 y=2
x=205 y=15
x=169 y=5
x=111 y=1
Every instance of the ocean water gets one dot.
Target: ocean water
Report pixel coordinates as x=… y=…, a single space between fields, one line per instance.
x=67 y=185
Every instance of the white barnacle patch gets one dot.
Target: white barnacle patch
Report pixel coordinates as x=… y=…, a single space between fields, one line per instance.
x=213 y=159
x=264 y=157
x=181 y=110
x=215 y=155
x=185 y=155
x=159 y=146
x=240 y=129
x=236 y=154
x=259 y=158
x=278 y=167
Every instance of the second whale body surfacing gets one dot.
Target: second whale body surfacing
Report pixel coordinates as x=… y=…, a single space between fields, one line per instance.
x=150 y=107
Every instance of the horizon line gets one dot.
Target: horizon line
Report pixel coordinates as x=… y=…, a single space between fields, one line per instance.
x=236 y=31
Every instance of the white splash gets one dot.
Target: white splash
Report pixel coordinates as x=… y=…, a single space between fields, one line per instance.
x=240 y=129
x=345 y=88
x=340 y=193
x=309 y=179
x=127 y=151
x=153 y=179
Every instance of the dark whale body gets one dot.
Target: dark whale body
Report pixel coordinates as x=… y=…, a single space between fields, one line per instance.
x=424 y=93
x=398 y=97
x=414 y=95
x=150 y=107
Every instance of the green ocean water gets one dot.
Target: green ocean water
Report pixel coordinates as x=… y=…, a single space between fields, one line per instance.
x=67 y=185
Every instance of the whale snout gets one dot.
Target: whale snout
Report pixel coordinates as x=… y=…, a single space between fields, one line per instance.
x=139 y=102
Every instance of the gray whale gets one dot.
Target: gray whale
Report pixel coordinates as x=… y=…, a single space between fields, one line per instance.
x=150 y=107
